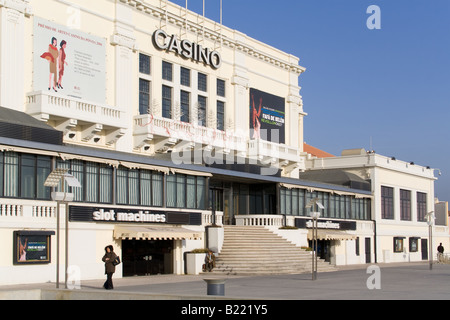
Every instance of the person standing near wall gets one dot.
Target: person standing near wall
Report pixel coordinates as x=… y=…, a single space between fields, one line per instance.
x=110 y=268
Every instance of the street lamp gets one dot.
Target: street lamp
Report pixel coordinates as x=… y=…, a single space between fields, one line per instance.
x=430 y=221
x=57 y=176
x=315 y=217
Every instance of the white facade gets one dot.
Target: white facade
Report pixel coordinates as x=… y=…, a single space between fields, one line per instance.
x=99 y=108
x=405 y=220
x=148 y=88
x=127 y=28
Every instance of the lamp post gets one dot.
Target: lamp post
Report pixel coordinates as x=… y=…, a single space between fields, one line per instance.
x=315 y=217
x=430 y=221
x=57 y=176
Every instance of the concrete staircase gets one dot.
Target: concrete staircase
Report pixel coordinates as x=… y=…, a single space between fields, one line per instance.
x=249 y=250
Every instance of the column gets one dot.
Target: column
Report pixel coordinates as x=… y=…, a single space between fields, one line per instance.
x=12 y=48
x=125 y=46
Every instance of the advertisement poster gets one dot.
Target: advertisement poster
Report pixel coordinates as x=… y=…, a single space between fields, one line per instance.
x=68 y=62
x=267 y=117
x=31 y=248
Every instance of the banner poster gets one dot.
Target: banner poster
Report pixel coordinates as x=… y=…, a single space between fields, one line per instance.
x=31 y=248
x=68 y=62
x=267 y=116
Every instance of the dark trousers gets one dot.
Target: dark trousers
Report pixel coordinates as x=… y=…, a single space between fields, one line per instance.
x=108 y=283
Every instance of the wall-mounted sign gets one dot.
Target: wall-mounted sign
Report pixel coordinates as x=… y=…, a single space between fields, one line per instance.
x=125 y=215
x=68 y=61
x=32 y=247
x=186 y=49
x=267 y=116
x=307 y=223
x=140 y=216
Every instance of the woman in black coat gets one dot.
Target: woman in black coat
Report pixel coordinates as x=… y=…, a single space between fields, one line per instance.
x=110 y=268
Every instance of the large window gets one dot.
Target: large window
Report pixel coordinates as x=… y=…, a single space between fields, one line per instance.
x=293 y=202
x=96 y=180
x=202 y=82
x=387 y=202
x=201 y=111
x=185 y=191
x=185 y=77
x=421 y=206
x=144 y=64
x=220 y=115
x=167 y=71
x=220 y=88
x=185 y=105
x=23 y=176
x=405 y=205
x=139 y=187
x=166 y=102
x=144 y=96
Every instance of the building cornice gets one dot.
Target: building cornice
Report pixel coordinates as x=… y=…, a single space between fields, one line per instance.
x=22 y=6
x=215 y=34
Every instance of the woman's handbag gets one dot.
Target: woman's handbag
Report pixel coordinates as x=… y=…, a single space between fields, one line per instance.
x=116 y=261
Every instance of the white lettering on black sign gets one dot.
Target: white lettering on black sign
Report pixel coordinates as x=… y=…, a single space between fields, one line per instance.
x=141 y=216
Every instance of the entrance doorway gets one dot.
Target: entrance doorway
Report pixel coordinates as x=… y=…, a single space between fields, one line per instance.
x=424 y=244
x=147 y=257
x=323 y=249
x=368 y=250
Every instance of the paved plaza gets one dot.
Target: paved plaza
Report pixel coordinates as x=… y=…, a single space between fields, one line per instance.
x=382 y=282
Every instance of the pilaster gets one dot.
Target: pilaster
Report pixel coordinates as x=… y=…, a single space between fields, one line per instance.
x=12 y=48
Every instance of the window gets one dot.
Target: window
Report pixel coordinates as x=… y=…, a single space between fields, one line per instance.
x=167 y=71
x=387 y=203
x=23 y=176
x=292 y=201
x=92 y=182
x=185 y=77
x=413 y=244
x=220 y=115
x=11 y=174
x=357 y=246
x=220 y=88
x=144 y=96
x=421 y=206
x=96 y=180
x=398 y=244
x=202 y=82
x=405 y=205
x=139 y=187
x=185 y=102
x=28 y=176
x=144 y=64
x=166 y=102
x=185 y=191
x=202 y=111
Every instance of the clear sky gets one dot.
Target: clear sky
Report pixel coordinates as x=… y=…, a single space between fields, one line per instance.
x=384 y=89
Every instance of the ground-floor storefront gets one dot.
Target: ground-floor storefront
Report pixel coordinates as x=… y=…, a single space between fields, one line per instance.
x=154 y=212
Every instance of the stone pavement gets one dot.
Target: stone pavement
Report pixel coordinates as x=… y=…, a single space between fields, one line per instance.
x=407 y=281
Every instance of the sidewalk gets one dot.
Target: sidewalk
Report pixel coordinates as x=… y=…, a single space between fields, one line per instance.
x=400 y=281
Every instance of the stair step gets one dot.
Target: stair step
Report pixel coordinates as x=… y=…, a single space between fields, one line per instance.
x=256 y=250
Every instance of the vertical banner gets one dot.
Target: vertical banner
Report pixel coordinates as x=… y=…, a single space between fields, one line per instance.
x=267 y=116
x=68 y=62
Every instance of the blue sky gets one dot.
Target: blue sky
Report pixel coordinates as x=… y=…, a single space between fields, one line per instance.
x=386 y=89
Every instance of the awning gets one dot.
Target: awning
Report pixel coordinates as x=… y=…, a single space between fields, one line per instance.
x=323 y=234
x=155 y=233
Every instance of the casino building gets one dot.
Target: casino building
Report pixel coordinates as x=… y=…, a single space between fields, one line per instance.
x=170 y=122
